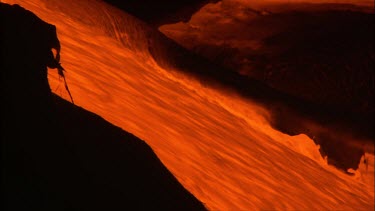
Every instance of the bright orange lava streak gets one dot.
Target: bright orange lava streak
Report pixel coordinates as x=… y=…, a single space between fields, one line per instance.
x=219 y=146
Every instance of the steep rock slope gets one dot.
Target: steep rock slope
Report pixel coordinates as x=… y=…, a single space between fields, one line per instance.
x=58 y=156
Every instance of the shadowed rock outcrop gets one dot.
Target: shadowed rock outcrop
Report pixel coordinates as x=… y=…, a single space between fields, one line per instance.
x=58 y=156
x=161 y=12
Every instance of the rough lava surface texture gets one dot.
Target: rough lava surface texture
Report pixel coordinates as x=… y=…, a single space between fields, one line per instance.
x=218 y=145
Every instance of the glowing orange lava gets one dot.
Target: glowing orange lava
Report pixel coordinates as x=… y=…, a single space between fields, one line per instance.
x=219 y=146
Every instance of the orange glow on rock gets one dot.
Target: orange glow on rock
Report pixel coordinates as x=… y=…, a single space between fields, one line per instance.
x=218 y=145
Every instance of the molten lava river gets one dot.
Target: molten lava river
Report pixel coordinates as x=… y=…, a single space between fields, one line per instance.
x=219 y=146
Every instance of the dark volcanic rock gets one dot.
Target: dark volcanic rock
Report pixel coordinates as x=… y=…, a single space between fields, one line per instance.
x=342 y=128
x=160 y=12
x=307 y=63
x=57 y=156
x=325 y=57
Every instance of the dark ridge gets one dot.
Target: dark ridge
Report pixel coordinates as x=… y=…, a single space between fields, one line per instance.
x=318 y=7
x=58 y=156
x=160 y=12
x=326 y=57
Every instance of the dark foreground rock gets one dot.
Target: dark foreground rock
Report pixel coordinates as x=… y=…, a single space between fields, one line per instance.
x=58 y=156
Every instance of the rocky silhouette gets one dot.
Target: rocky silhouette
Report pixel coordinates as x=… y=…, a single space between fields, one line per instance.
x=57 y=156
x=161 y=12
